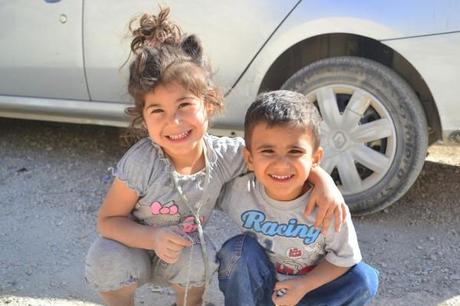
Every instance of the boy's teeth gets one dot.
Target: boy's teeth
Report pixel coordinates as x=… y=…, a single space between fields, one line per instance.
x=281 y=177
x=178 y=136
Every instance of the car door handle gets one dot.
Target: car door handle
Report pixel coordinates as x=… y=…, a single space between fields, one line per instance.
x=52 y=1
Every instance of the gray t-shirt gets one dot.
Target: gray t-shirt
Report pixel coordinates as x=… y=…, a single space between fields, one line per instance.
x=291 y=242
x=147 y=170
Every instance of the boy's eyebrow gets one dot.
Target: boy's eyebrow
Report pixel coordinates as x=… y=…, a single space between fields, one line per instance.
x=265 y=146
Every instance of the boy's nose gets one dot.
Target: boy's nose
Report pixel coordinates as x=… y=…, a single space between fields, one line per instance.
x=281 y=162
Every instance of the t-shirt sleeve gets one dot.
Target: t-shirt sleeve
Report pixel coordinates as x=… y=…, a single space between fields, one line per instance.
x=229 y=153
x=342 y=248
x=137 y=166
x=225 y=197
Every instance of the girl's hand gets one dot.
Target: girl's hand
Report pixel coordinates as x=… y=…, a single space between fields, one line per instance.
x=327 y=197
x=168 y=245
x=294 y=292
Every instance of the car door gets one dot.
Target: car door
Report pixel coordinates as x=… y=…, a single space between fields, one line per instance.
x=232 y=33
x=41 y=49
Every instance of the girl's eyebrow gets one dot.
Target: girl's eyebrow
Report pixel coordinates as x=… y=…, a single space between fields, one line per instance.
x=152 y=105
x=177 y=101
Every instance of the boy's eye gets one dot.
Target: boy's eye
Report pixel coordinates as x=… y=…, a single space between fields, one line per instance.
x=295 y=151
x=267 y=151
x=156 y=111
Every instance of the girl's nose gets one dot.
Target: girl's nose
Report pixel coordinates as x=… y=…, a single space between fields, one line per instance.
x=175 y=118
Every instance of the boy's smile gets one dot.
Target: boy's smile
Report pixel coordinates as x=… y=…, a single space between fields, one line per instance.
x=281 y=158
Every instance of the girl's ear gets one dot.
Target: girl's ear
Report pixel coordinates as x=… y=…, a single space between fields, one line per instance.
x=192 y=46
x=248 y=158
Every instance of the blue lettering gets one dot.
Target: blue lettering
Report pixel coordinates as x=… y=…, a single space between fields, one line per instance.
x=255 y=220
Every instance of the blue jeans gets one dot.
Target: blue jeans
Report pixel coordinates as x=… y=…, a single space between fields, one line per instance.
x=247 y=278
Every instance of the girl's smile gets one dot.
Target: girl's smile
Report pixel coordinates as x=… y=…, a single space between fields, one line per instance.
x=177 y=120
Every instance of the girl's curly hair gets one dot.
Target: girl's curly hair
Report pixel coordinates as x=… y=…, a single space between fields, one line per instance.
x=163 y=55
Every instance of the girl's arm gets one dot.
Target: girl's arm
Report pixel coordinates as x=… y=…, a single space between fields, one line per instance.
x=327 y=197
x=296 y=289
x=114 y=223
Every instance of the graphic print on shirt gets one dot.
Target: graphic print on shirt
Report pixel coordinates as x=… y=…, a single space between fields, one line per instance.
x=295 y=261
x=256 y=221
x=189 y=225
x=165 y=213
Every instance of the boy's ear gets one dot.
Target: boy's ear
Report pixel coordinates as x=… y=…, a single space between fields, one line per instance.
x=317 y=156
x=248 y=158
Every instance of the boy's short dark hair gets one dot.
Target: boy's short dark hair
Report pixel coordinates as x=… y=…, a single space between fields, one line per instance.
x=283 y=108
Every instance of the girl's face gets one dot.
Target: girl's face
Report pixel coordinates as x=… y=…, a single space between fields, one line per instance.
x=176 y=120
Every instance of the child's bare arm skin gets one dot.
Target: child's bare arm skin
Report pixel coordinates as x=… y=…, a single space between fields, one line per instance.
x=113 y=222
x=327 y=197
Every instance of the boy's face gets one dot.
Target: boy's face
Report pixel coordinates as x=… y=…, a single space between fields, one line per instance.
x=281 y=158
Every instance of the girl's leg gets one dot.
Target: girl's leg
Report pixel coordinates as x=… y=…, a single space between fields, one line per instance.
x=121 y=297
x=194 y=295
x=246 y=275
x=355 y=288
x=115 y=271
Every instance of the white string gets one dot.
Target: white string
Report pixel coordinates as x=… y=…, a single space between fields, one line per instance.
x=196 y=216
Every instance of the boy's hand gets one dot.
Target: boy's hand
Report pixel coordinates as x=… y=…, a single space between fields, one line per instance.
x=331 y=204
x=168 y=245
x=294 y=292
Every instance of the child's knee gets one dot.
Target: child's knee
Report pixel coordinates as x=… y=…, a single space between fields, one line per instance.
x=366 y=277
x=189 y=270
x=239 y=250
x=111 y=265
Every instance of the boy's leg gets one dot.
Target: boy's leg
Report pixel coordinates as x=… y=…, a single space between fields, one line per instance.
x=355 y=288
x=246 y=275
x=115 y=270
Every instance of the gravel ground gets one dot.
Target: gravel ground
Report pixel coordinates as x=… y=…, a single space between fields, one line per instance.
x=54 y=176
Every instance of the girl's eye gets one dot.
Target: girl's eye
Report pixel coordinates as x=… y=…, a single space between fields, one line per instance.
x=185 y=104
x=156 y=111
x=267 y=151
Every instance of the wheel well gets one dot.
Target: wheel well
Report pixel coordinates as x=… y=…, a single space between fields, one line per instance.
x=332 y=45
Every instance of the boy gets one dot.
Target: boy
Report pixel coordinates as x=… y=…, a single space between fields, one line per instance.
x=284 y=260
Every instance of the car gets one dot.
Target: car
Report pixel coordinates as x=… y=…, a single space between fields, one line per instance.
x=382 y=73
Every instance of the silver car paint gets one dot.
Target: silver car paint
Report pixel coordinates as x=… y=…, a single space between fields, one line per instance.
x=70 y=71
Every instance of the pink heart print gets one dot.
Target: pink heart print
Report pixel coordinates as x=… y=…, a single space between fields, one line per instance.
x=188 y=224
x=157 y=209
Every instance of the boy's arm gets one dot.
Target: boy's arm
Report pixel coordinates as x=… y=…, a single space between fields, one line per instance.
x=296 y=289
x=329 y=200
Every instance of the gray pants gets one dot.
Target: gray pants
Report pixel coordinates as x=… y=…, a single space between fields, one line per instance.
x=111 y=265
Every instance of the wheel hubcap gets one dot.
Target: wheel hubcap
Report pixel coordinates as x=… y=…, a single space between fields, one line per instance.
x=358 y=136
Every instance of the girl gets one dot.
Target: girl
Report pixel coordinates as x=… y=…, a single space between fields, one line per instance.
x=166 y=185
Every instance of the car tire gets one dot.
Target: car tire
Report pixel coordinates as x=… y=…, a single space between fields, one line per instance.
x=374 y=129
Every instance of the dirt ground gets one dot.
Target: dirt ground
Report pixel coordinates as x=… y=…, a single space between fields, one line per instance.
x=54 y=176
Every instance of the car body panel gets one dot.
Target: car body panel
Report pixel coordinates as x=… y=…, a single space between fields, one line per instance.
x=439 y=68
x=107 y=40
x=417 y=45
x=62 y=68
x=41 y=49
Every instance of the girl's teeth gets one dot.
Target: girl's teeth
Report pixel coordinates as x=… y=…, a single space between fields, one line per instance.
x=178 y=136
